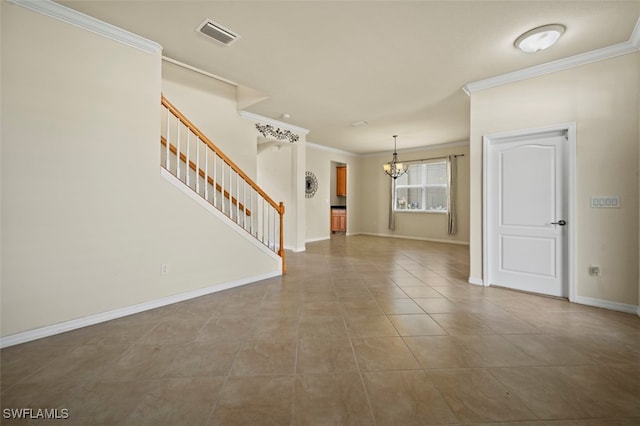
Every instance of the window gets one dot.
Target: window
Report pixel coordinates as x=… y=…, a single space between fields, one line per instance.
x=423 y=188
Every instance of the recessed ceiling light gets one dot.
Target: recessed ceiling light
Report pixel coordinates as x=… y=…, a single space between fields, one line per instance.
x=359 y=123
x=539 y=38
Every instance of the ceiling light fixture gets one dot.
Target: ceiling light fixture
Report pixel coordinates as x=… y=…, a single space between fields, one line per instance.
x=394 y=168
x=539 y=38
x=359 y=123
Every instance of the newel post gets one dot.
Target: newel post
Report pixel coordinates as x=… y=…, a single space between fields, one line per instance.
x=281 y=250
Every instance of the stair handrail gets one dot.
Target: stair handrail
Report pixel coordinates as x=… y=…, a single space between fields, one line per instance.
x=279 y=207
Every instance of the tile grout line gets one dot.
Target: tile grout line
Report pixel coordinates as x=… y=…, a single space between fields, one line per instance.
x=360 y=373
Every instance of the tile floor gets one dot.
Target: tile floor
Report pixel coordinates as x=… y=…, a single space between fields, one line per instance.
x=361 y=331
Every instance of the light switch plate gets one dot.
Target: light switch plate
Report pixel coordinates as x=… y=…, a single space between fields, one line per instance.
x=605 y=202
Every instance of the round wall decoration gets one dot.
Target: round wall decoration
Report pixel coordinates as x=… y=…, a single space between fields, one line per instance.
x=310 y=184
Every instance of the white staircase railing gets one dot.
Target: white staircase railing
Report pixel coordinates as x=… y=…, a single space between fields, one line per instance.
x=190 y=156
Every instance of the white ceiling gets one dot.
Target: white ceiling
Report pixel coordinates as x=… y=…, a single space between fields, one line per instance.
x=400 y=65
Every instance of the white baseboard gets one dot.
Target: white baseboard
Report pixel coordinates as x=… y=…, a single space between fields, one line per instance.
x=476 y=281
x=606 y=304
x=313 y=240
x=50 y=330
x=433 y=240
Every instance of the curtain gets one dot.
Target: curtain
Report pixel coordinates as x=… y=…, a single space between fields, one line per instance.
x=451 y=196
x=392 y=215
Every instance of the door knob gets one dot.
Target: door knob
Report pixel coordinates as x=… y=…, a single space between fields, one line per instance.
x=560 y=222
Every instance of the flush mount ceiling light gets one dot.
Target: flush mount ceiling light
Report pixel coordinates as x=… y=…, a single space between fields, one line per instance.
x=359 y=123
x=539 y=38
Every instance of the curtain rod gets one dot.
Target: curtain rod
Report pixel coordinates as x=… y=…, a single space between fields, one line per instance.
x=432 y=158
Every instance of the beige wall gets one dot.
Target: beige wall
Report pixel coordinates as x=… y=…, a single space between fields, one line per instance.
x=211 y=105
x=275 y=171
x=428 y=226
x=602 y=99
x=319 y=161
x=87 y=220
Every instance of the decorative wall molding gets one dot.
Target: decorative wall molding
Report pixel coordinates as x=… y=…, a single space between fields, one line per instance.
x=268 y=130
x=62 y=13
x=39 y=333
x=266 y=120
x=630 y=46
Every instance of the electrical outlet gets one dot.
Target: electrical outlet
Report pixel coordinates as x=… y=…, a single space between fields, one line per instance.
x=164 y=269
x=594 y=270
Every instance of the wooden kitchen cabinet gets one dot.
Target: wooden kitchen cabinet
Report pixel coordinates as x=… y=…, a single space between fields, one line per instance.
x=338 y=220
x=341 y=181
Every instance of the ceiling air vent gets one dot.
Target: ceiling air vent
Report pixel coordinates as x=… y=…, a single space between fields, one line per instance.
x=217 y=32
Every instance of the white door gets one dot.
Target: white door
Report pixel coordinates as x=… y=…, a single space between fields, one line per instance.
x=527 y=214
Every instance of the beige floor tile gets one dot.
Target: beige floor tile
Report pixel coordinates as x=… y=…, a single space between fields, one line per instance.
x=370 y=326
x=421 y=292
x=506 y=323
x=406 y=398
x=314 y=308
x=604 y=349
x=493 y=351
x=201 y=359
x=142 y=361
x=353 y=293
x=177 y=401
x=361 y=307
x=570 y=365
x=282 y=307
x=388 y=292
x=330 y=400
x=275 y=328
x=19 y=362
x=322 y=356
x=550 y=350
x=399 y=306
x=437 y=305
x=384 y=353
x=616 y=387
x=474 y=396
x=265 y=356
x=225 y=329
x=253 y=401
x=82 y=363
x=174 y=331
x=438 y=352
x=322 y=327
x=416 y=325
x=461 y=323
x=549 y=394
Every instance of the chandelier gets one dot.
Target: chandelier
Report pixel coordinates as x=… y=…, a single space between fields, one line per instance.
x=394 y=168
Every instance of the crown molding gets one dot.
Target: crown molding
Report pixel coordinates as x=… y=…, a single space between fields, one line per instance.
x=266 y=120
x=630 y=46
x=62 y=13
x=332 y=150
x=421 y=148
x=198 y=70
